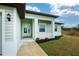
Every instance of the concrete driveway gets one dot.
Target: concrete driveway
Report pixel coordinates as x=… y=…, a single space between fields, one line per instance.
x=31 y=49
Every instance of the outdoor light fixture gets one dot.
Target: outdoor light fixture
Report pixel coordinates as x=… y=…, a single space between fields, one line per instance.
x=9 y=17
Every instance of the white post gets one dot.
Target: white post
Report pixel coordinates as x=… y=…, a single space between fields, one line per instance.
x=36 y=28
x=53 y=28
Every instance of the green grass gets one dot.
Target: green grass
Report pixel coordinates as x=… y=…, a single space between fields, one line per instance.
x=65 y=46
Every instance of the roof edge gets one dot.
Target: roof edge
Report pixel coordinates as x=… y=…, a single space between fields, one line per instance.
x=39 y=13
x=20 y=8
x=58 y=23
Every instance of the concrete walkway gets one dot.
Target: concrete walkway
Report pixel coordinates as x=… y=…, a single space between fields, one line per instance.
x=31 y=49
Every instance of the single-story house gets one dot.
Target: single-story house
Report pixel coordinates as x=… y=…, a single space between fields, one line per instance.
x=17 y=24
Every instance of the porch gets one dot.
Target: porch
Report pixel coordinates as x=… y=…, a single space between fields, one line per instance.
x=37 y=28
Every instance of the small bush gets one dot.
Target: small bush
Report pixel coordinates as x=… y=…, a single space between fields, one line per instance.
x=46 y=39
x=37 y=39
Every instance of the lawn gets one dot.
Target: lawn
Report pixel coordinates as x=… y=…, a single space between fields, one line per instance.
x=65 y=46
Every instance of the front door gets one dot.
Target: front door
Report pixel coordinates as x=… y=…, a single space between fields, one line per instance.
x=26 y=30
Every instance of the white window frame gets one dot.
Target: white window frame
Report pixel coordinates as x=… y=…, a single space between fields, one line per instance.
x=42 y=24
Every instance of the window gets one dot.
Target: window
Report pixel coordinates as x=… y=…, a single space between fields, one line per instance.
x=41 y=27
x=25 y=30
x=55 y=27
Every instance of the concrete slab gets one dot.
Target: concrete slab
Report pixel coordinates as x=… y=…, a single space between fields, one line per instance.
x=31 y=49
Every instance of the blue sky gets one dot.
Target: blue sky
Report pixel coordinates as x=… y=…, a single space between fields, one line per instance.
x=69 y=14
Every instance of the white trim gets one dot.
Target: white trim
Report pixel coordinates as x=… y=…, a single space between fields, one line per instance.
x=53 y=29
x=3 y=40
x=33 y=16
x=36 y=28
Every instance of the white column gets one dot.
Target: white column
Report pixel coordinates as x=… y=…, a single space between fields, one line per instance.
x=60 y=31
x=36 y=28
x=53 y=28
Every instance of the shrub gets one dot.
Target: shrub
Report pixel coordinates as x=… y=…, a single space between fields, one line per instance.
x=37 y=39
x=46 y=39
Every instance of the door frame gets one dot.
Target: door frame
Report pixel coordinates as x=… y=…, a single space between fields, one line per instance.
x=26 y=26
x=24 y=20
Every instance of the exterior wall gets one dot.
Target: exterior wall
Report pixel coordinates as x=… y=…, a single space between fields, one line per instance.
x=36 y=33
x=0 y=33
x=58 y=32
x=17 y=30
x=9 y=34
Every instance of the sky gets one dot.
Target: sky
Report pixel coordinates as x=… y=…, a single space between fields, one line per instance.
x=68 y=11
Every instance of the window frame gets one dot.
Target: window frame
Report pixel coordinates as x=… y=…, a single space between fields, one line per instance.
x=43 y=28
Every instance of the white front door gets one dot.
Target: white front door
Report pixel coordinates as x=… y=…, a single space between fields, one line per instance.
x=26 y=30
